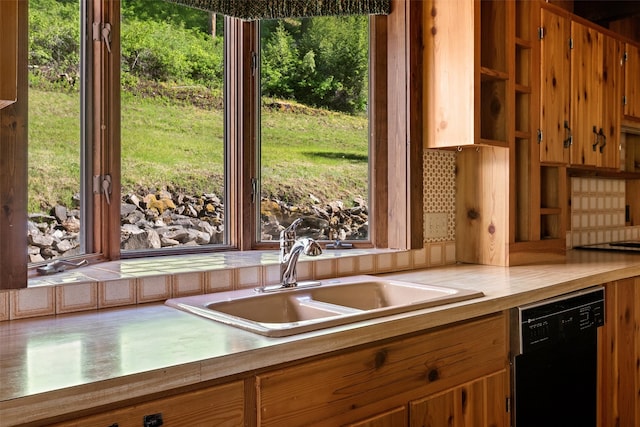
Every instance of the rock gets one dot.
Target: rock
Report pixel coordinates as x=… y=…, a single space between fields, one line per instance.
x=130 y=229
x=49 y=252
x=147 y=239
x=134 y=200
x=157 y=218
x=41 y=240
x=269 y=208
x=180 y=235
x=127 y=209
x=133 y=218
x=205 y=227
x=60 y=212
x=159 y=204
x=71 y=224
x=166 y=242
x=42 y=218
x=36 y=258
x=64 y=246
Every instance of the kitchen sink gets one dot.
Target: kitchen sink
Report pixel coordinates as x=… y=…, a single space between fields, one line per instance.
x=334 y=302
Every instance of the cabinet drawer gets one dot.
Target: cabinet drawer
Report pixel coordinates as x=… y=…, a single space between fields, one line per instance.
x=215 y=406
x=361 y=383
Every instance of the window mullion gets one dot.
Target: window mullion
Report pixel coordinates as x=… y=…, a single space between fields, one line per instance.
x=105 y=131
x=241 y=129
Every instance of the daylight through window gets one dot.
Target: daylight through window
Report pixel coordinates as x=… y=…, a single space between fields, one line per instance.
x=314 y=127
x=173 y=175
x=56 y=206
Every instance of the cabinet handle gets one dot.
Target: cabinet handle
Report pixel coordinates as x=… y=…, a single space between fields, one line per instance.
x=604 y=140
x=569 y=140
x=597 y=138
x=540 y=136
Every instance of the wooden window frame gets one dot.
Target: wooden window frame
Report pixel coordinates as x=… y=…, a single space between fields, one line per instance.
x=395 y=140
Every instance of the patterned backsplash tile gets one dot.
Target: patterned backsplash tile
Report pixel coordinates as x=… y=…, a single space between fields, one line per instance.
x=439 y=195
x=598 y=211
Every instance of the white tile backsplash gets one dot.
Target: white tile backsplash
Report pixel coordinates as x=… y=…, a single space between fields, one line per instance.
x=598 y=212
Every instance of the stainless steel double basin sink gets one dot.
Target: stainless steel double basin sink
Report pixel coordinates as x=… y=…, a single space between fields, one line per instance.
x=334 y=302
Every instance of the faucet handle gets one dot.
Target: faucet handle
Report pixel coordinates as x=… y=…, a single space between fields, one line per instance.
x=294 y=225
x=289 y=233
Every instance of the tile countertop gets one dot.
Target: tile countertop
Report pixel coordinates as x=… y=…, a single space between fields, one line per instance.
x=53 y=365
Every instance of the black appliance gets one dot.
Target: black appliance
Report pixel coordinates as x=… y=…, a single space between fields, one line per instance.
x=624 y=246
x=554 y=360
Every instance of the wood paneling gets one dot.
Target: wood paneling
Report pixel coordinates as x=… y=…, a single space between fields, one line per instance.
x=396 y=417
x=13 y=165
x=218 y=406
x=628 y=27
x=619 y=355
x=480 y=403
x=404 y=144
x=586 y=93
x=380 y=131
x=362 y=383
x=8 y=52
x=555 y=88
x=482 y=206
x=632 y=81
x=451 y=66
x=612 y=90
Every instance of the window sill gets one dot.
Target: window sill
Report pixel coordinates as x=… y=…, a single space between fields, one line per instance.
x=145 y=280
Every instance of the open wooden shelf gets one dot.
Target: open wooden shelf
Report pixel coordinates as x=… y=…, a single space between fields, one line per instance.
x=487 y=74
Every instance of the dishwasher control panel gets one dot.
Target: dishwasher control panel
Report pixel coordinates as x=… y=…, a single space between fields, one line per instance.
x=558 y=320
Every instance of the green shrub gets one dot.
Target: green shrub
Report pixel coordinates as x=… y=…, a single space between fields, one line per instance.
x=321 y=62
x=161 y=51
x=54 y=37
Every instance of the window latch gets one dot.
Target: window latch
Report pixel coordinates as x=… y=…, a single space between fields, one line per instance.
x=102 y=32
x=254 y=63
x=102 y=184
x=254 y=190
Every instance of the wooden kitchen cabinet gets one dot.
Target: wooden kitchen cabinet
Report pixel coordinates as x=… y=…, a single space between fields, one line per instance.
x=214 y=406
x=580 y=93
x=612 y=102
x=8 y=52
x=586 y=94
x=555 y=134
x=619 y=355
x=368 y=386
x=468 y=72
x=478 y=403
x=509 y=209
x=396 y=417
x=596 y=97
x=632 y=81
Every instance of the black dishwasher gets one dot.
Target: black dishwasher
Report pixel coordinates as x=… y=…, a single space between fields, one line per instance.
x=555 y=360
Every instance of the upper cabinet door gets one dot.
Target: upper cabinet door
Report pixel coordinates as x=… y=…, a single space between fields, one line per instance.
x=555 y=131
x=632 y=81
x=612 y=85
x=450 y=70
x=8 y=52
x=468 y=72
x=586 y=94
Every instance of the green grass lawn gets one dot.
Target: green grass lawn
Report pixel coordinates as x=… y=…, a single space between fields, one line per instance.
x=167 y=144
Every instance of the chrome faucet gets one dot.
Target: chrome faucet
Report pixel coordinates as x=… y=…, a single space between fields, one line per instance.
x=290 y=249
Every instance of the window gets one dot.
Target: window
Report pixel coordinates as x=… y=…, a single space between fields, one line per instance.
x=56 y=195
x=172 y=121
x=314 y=133
x=131 y=148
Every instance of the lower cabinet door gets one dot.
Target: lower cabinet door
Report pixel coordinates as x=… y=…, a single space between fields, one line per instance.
x=397 y=417
x=215 y=406
x=480 y=403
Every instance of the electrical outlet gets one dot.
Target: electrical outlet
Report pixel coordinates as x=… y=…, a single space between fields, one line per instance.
x=435 y=225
